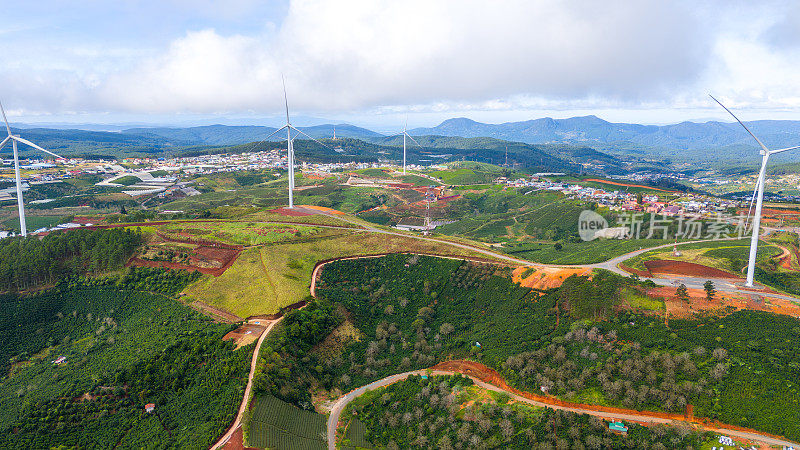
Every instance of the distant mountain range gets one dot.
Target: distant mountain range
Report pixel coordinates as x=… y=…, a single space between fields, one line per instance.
x=233 y=135
x=589 y=130
x=716 y=143
x=719 y=143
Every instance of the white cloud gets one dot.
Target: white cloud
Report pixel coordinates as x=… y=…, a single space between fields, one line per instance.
x=363 y=54
x=381 y=55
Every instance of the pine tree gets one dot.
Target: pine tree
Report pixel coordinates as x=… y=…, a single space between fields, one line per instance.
x=682 y=293
x=710 y=291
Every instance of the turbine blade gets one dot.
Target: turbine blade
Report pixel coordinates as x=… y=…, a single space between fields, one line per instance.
x=304 y=134
x=274 y=133
x=764 y=147
x=2 y=144
x=405 y=127
x=27 y=142
x=413 y=140
x=784 y=149
x=285 y=100
x=8 y=127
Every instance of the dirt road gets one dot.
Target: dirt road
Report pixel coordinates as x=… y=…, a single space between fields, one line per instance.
x=243 y=407
x=632 y=416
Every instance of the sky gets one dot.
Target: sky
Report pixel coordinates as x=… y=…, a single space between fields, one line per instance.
x=373 y=62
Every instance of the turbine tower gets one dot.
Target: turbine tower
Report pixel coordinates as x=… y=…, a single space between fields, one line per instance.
x=14 y=139
x=290 y=144
x=406 y=135
x=758 y=194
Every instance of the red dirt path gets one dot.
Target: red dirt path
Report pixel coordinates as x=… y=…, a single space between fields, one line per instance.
x=671 y=267
x=490 y=376
x=289 y=212
x=237 y=442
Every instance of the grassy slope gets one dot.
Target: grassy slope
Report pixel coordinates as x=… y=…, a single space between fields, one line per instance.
x=582 y=252
x=717 y=254
x=263 y=280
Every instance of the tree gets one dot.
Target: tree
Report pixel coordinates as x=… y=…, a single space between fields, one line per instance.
x=682 y=293
x=709 y=288
x=122 y=210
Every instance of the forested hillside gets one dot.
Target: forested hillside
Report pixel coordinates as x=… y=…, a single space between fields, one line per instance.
x=449 y=412
x=409 y=312
x=83 y=362
x=29 y=262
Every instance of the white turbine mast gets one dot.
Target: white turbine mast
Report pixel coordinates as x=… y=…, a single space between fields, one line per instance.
x=14 y=139
x=758 y=194
x=290 y=143
x=406 y=135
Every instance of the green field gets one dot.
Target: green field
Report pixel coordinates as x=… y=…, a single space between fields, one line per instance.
x=728 y=255
x=242 y=233
x=277 y=424
x=589 y=252
x=464 y=176
x=128 y=180
x=33 y=222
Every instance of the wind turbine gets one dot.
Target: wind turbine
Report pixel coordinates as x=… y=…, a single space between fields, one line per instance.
x=14 y=140
x=758 y=194
x=406 y=135
x=290 y=144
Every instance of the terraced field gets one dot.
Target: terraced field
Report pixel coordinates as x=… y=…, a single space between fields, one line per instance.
x=277 y=424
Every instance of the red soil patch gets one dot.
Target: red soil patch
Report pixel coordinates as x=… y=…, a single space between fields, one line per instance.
x=214 y=254
x=323 y=209
x=641 y=273
x=289 y=212
x=785 y=259
x=775 y=212
x=244 y=335
x=671 y=267
x=722 y=303
x=546 y=277
x=616 y=183
x=236 y=442
x=83 y=220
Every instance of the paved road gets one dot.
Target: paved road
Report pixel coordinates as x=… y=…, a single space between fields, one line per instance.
x=238 y=422
x=720 y=284
x=341 y=403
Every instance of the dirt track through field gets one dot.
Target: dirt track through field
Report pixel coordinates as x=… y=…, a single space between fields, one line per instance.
x=248 y=390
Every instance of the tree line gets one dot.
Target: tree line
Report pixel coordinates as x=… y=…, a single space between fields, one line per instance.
x=29 y=262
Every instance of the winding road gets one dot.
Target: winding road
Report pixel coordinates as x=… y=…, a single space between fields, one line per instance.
x=342 y=402
x=243 y=407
